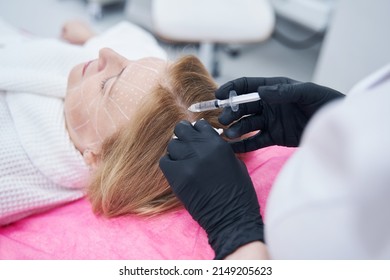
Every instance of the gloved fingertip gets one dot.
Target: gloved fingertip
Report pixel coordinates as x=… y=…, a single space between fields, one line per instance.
x=223 y=91
x=202 y=124
x=272 y=94
x=182 y=128
x=163 y=162
x=268 y=89
x=184 y=122
x=182 y=125
x=226 y=117
x=170 y=144
x=222 y=120
x=232 y=132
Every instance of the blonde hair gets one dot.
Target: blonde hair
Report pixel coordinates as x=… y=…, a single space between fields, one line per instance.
x=128 y=179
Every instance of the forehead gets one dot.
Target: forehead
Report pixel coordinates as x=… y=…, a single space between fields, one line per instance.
x=145 y=66
x=142 y=75
x=135 y=82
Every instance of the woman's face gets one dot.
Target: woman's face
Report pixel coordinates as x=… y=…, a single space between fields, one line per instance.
x=103 y=95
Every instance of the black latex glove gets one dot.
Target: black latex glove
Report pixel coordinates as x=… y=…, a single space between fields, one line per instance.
x=214 y=186
x=285 y=108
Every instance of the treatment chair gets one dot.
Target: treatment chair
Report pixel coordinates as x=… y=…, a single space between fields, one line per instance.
x=212 y=23
x=95 y=7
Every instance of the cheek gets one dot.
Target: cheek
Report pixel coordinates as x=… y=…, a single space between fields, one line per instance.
x=74 y=90
x=81 y=108
x=71 y=107
x=72 y=100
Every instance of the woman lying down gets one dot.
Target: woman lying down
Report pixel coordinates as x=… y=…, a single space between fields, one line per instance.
x=86 y=120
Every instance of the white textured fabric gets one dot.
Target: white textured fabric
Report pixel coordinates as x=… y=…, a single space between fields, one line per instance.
x=39 y=165
x=37 y=170
x=331 y=200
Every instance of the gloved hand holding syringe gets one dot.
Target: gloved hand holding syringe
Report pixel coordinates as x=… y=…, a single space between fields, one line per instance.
x=233 y=101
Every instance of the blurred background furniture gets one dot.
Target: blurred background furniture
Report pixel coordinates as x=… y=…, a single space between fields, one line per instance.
x=211 y=24
x=311 y=14
x=356 y=43
x=266 y=58
x=95 y=7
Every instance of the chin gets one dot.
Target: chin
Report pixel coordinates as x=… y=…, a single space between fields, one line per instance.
x=75 y=75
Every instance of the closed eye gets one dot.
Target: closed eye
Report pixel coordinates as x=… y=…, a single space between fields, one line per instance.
x=104 y=82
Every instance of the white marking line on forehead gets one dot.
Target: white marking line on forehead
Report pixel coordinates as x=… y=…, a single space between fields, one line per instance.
x=129 y=84
x=119 y=79
x=96 y=124
x=94 y=144
x=74 y=106
x=137 y=65
x=110 y=117
x=116 y=79
x=81 y=125
x=146 y=67
x=119 y=108
x=93 y=101
x=150 y=69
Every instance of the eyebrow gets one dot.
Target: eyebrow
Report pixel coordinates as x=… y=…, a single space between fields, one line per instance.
x=116 y=79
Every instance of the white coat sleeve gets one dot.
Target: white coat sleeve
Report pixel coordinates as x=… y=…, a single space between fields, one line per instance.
x=331 y=200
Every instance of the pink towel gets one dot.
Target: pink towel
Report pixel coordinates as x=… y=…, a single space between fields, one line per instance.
x=72 y=231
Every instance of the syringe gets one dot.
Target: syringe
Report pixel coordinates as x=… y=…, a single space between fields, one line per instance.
x=233 y=102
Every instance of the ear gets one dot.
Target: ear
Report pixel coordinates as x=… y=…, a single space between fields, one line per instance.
x=91 y=158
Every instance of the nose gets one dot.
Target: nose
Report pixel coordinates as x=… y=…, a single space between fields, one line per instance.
x=108 y=56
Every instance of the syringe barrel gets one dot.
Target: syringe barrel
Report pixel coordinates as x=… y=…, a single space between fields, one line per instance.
x=205 y=106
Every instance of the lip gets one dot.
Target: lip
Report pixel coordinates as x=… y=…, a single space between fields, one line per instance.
x=86 y=66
